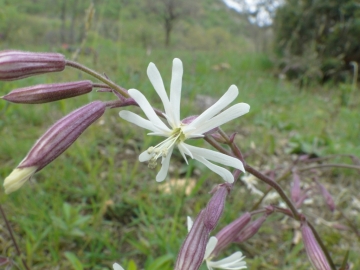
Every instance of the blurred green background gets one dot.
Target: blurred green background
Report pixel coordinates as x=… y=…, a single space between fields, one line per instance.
x=96 y=204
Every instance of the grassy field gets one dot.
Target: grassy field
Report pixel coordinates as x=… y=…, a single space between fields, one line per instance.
x=96 y=204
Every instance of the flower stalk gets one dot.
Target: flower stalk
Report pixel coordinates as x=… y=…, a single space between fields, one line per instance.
x=98 y=76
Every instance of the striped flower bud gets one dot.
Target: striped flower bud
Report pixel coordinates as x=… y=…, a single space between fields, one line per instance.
x=251 y=229
x=43 y=93
x=228 y=234
x=215 y=206
x=5 y=261
x=53 y=143
x=296 y=189
x=16 y=65
x=327 y=196
x=192 y=251
x=313 y=250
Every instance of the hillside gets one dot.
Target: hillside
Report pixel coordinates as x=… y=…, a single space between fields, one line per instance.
x=212 y=27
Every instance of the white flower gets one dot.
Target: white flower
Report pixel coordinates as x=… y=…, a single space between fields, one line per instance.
x=234 y=261
x=117 y=266
x=250 y=182
x=177 y=132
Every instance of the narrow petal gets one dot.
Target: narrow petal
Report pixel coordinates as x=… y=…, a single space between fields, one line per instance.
x=183 y=150
x=147 y=109
x=190 y=223
x=156 y=80
x=225 y=174
x=17 y=178
x=117 y=267
x=210 y=246
x=164 y=166
x=175 y=89
x=224 y=101
x=215 y=156
x=145 y=156
x=139 y=121
x=234 y=261
x=224 y=117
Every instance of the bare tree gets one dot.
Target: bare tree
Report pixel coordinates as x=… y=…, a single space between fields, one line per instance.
x=260 y=12
x=170 y=11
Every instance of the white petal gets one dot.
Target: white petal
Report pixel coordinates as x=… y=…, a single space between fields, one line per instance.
x=164 y=166
x=145 y=156
x=208 y=266
x=189 y=223
x=117 y=267
x=224 y=101
x=215 y=156
x=138 y=120
x=234 y=261
x=147 y=109
x=175 y=89
x=18 y=177
x=156 y=80
x=225 y=174
x=224 y=117
x=184 y=150
x=210 y=246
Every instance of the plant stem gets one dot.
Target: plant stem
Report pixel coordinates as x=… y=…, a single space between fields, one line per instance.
x=98 y=76
x=217 y=146
x=346 y=166
x=275 y=186
x=8 y=226
x=259 y=175
x=233 y=146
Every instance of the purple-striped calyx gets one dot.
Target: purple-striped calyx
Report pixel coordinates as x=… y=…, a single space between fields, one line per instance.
x=16 y=65
x=215 y=206
x=251 y=229
x=43 y=93
x=53 y=143
x=228 y=234
x=313 y=249
x=192 y=251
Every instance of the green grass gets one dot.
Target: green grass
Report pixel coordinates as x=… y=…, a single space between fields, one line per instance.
x=96 y=204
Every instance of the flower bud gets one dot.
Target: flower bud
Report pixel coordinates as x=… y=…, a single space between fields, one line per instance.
x=295 y=189
x=327 y=196
x=301 y=200
x=5 y=261
x=16 y=65
x=215 y=206
x=228 y=234
x=192 y=252
x=43 y=93
x=251 y=229
x=53 y=143
x=313 y=250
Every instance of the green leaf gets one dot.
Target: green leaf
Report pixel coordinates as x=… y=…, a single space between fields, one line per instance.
x=132 y=265
x=75 y=262
x=161 y=262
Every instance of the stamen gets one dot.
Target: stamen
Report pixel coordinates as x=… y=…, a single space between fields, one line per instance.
x=150 y=150
x=162 y=149
x=152 y=164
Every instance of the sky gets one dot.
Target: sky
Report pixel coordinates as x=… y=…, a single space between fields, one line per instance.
x=263 y=17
